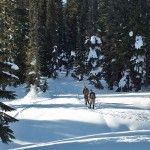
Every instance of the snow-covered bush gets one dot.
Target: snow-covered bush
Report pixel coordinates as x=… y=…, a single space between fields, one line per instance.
x=133 y=77
x=125 y=84
x=94 y=60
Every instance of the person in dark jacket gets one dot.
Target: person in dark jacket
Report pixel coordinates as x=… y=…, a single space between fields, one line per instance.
x=91 y=99
x=86 y=94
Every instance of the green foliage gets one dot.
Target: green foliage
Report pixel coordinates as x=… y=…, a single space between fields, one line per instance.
x=6 y=134
x=33 y=28
x=122 y=18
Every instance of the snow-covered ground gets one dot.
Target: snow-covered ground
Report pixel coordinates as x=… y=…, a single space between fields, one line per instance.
x=59 y=120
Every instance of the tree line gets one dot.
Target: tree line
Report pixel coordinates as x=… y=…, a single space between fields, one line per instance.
x=98 y=40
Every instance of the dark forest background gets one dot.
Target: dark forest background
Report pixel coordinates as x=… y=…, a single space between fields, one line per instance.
x=45 y=37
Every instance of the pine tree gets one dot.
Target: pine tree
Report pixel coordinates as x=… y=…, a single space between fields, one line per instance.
x=124 y=18
x=116 y=44
x=6 y=77
x=54 y=34
x=37 y=65
x=70 y=13
x=14 y=34
x=21 y=37
x=81 y=34
x=138 y=24
x=93 y=17
x=46 y=32
x=6 y=134
x=146 y=4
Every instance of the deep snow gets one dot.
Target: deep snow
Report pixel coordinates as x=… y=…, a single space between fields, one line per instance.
x=59 y=120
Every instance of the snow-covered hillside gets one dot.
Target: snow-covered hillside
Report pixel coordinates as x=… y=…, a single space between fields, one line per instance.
x=59 y=120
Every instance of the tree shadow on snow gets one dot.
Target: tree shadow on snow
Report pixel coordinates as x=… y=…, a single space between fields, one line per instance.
x=34 y=131
x=49 y=106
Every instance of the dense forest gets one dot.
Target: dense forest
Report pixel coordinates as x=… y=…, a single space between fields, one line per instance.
x=96 y=40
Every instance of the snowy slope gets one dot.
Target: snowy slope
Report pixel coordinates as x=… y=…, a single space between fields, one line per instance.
x=59 y=120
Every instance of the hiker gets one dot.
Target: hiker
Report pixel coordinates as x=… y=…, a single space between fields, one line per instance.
x=91 y=99
x=86 y=93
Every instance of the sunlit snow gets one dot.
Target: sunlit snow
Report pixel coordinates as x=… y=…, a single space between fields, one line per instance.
x=138 y=42
x=59 y=120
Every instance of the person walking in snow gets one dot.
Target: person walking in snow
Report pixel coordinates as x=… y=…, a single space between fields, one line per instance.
x=91 y=99
x=86 y=94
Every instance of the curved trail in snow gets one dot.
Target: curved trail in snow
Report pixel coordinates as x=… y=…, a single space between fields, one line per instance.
x=130 y=135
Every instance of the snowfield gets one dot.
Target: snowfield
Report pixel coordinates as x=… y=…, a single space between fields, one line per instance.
x=59 y=120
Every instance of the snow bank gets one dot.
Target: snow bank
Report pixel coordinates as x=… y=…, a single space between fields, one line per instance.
x=138 y=42
x=144 y=103
x=73 y=53
x=32 y=95
x=62 y=121
x=124 y=80
x=131 y=33
x=9 y=74
x=13 y=66
x=33 y=63
x=92 y=54
x=95 y=39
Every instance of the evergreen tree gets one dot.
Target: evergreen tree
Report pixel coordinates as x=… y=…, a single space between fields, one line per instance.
x=125 y=22
x=14 y=33
x=138 y=24
x=93 y=14
x=6 y=134
x=31 y=75
x=46 y=32
x=54 y=34
x=81 y=35
x=6 y=76
x=116 y=46
x=21 y=37
x=71 y=29
x=146 y=8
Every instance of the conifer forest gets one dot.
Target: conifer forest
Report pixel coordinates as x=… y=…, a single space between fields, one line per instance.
x=100 y=41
